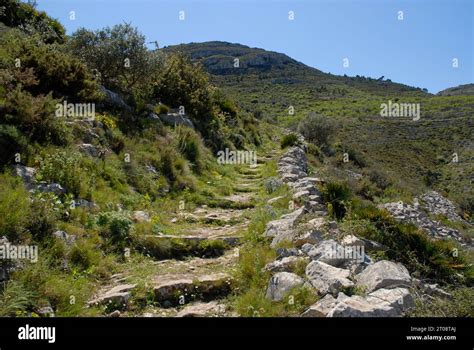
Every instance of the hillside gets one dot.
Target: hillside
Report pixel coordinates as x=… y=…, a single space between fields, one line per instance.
x=414 y=154
x=466 y=89
x=136 y=183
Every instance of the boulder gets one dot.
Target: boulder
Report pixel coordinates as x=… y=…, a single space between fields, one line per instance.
x=383 y=274
x=326 y=278
x=55 y=188
x=281 y=283
x=329 y=252
x=114 y=100
x=65 y=237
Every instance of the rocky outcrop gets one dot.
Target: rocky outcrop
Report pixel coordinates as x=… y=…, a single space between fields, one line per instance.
x=436 y=204
x=174 y=119
x=326 y=278
x=114 y=298
x=114 y=100
x=414 y=214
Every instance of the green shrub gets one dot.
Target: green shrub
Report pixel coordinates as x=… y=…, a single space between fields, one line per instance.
x=116 y=227
x=289 y=140
x=337 y=195
x=317 y=129
x=84 y=255
x=15 y=300
x=461 y=305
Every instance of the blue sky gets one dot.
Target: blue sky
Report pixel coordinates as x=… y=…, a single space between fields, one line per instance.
x=418 y=50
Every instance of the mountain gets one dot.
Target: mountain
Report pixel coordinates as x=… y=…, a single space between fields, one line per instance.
x=413 y=154
x=274 y=69
x=466 y=89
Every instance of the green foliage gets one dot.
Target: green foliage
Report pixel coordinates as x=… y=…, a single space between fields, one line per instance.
x=436 y=259
x=65 y=167
x=14 y=207
x=15 y=300
x=116 y=227
x=337 y=195
x=120 y=55
x=24 y=16
x=289 y=140
x=84 y=254
x=461 y=305
x=317 y=129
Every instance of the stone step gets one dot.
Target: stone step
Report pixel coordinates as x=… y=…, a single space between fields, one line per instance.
x=231 y=241
x=173 y=290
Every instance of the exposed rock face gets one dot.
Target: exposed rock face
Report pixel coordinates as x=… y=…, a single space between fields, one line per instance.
x=408 y=213
x=321 y=308
x=383 y=274
x=281 y=283
x=326 y=278
x=55 y=188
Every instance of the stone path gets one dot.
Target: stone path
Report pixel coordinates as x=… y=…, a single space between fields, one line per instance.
x=194 y=286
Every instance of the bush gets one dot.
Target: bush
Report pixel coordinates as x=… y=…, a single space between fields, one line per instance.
x=64 y=167
x=289 y=140
x=317 y=129
x=116 y=228
x=337 y=196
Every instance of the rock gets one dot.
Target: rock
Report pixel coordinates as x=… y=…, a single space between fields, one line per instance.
x=174 y=119
x=114 y=100
x=89 y=149
x=301 y=194
x=286 y=252
x=27 y=175
x=321 y=308
x=372 y=246
x=117 y=297
x=398 y=298
x=140 y=216
x=281 y=283
x=436 y=204
x=329 y=252
x=351 y=240
x=174 y=290
x=407 y=213
x=115 y=313
x=45 y=311
x=275 y=199
x=383 y=274
x=326 y=278
x=213 y=308
x=283 y=229
x=381 y=303
x=55 y=188
x=65 y=237
x=84 y=203
x=435 y=291
x=287 y=264
x=305 y=248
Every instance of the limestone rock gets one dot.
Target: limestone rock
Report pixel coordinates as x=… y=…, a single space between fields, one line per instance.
x=383 y=274
x=281 y=283
x=326 y=278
